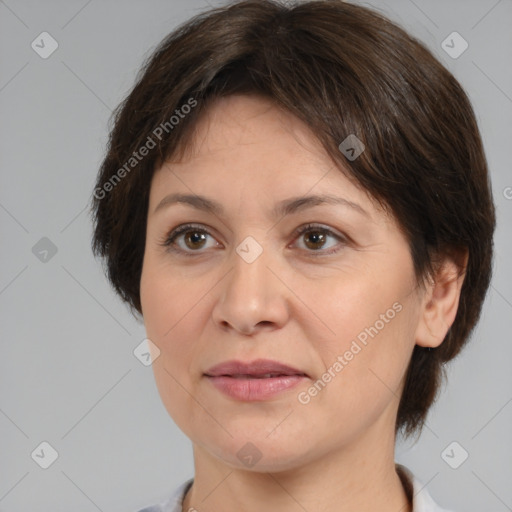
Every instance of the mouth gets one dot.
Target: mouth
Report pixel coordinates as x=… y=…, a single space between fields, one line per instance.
x=256 y=381
x=257 y=369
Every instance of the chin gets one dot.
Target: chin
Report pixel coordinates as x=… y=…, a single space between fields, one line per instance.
x=258 y=453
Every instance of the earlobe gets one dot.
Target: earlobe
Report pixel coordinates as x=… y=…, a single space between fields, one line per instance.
x=440 y=302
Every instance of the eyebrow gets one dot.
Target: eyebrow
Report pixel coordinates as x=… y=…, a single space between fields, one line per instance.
x=283 y=208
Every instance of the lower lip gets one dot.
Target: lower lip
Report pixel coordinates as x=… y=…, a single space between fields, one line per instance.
x=254 y=389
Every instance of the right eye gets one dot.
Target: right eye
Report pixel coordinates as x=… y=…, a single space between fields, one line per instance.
x=193 y=237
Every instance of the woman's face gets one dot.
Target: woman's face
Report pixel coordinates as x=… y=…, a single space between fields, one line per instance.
x=337 y=301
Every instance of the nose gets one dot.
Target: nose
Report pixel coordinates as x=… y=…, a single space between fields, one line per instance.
x=251 y=297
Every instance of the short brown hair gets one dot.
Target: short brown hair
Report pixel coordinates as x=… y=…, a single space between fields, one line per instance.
x=342 y=69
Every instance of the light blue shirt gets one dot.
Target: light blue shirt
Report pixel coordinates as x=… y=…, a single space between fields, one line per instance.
x=421 y=499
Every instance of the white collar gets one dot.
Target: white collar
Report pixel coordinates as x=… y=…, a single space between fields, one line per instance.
x=421 y=499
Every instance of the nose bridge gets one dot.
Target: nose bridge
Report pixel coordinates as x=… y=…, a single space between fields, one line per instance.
x=249 y=280
x=251 y=262
x=250 y=294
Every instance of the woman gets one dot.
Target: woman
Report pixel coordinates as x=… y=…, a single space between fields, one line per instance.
x=296 y=201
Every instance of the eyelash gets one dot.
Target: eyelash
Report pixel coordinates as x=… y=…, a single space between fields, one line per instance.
x=168 y=240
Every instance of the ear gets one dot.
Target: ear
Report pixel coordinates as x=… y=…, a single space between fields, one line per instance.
x=441 y=301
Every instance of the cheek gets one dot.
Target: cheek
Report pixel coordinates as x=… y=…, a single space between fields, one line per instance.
x=375 y=356
x=173 y=307
x=355 y=309
x=368 y=376
x=166 y=297
x=371 y=317
x=170 y=321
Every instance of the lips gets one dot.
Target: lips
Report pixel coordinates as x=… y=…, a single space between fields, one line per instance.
x=257 y=369
x=258 y=380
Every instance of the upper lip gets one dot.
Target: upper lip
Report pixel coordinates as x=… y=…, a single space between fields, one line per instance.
x=256 y=368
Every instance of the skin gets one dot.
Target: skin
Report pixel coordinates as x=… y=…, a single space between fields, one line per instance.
x=295 y=304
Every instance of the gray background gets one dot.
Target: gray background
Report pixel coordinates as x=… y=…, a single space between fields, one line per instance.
x=68 y=375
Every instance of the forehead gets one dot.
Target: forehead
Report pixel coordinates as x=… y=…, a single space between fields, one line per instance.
x=246 y=142
x=238 y=120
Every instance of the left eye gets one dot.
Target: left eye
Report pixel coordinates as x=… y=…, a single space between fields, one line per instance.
x=317 y=235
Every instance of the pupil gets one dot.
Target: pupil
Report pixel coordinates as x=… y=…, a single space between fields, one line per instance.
x=195 y=237
x=316 y=236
